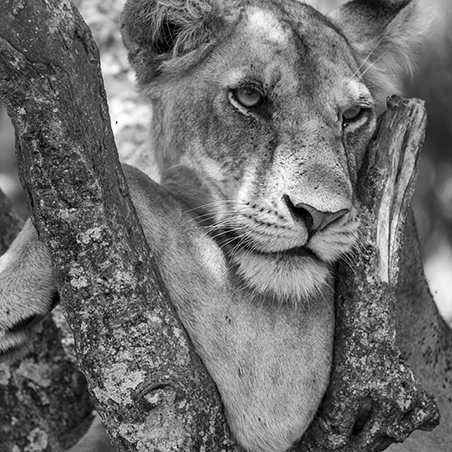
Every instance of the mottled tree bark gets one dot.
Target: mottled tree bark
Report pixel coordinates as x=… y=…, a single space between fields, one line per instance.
x=146 y=381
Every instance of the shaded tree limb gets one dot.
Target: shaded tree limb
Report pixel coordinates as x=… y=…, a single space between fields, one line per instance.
x=146 y=380
x=10 y=223
x=425 y=341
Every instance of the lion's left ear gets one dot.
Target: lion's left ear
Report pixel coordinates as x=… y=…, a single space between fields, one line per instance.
x=159 y=32
x=384 y=35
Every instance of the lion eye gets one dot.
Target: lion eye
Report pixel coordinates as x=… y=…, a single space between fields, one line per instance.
x=249 y=97
x=352 y=114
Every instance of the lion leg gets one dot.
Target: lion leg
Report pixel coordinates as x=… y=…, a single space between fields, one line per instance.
x=27 y=292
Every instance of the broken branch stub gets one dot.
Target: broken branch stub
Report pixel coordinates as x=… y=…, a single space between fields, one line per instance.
x=373 y=398
x=147 y=383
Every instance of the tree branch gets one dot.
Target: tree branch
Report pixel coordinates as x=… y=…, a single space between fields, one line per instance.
x=373 y=398
x=146 y=380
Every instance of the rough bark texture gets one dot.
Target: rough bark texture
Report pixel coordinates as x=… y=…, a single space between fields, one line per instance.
x=43 y=398
x=374 y=399
x=146 y=381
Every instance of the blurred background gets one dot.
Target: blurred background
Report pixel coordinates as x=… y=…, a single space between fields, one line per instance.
x=432 y=82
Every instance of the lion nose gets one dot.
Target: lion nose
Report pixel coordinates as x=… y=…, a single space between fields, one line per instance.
x=315 y=220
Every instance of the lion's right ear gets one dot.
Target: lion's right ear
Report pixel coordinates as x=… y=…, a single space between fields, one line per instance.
x=384 y=35
x=163 y=35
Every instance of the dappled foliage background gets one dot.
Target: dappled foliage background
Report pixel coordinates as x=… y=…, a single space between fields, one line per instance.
x=432 y=81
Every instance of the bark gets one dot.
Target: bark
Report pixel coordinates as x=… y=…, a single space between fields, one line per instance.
x=43 y=398
x=146 y=381
x=373 y=398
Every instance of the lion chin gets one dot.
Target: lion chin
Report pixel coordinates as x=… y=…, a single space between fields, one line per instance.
x=289 y=276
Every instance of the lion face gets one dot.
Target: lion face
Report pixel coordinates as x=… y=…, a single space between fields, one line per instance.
x=262 y=112
x=264 y=142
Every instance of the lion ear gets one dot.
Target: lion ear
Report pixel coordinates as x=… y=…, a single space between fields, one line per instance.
x=384 y=35
x=156 y=32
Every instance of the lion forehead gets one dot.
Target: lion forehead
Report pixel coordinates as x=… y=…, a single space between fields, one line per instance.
x=264 y=23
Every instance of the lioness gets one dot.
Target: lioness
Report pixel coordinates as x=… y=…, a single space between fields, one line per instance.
x=262 y=112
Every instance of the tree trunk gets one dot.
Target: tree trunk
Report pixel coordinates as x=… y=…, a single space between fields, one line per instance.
x=144 y=376
x=146 y=381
